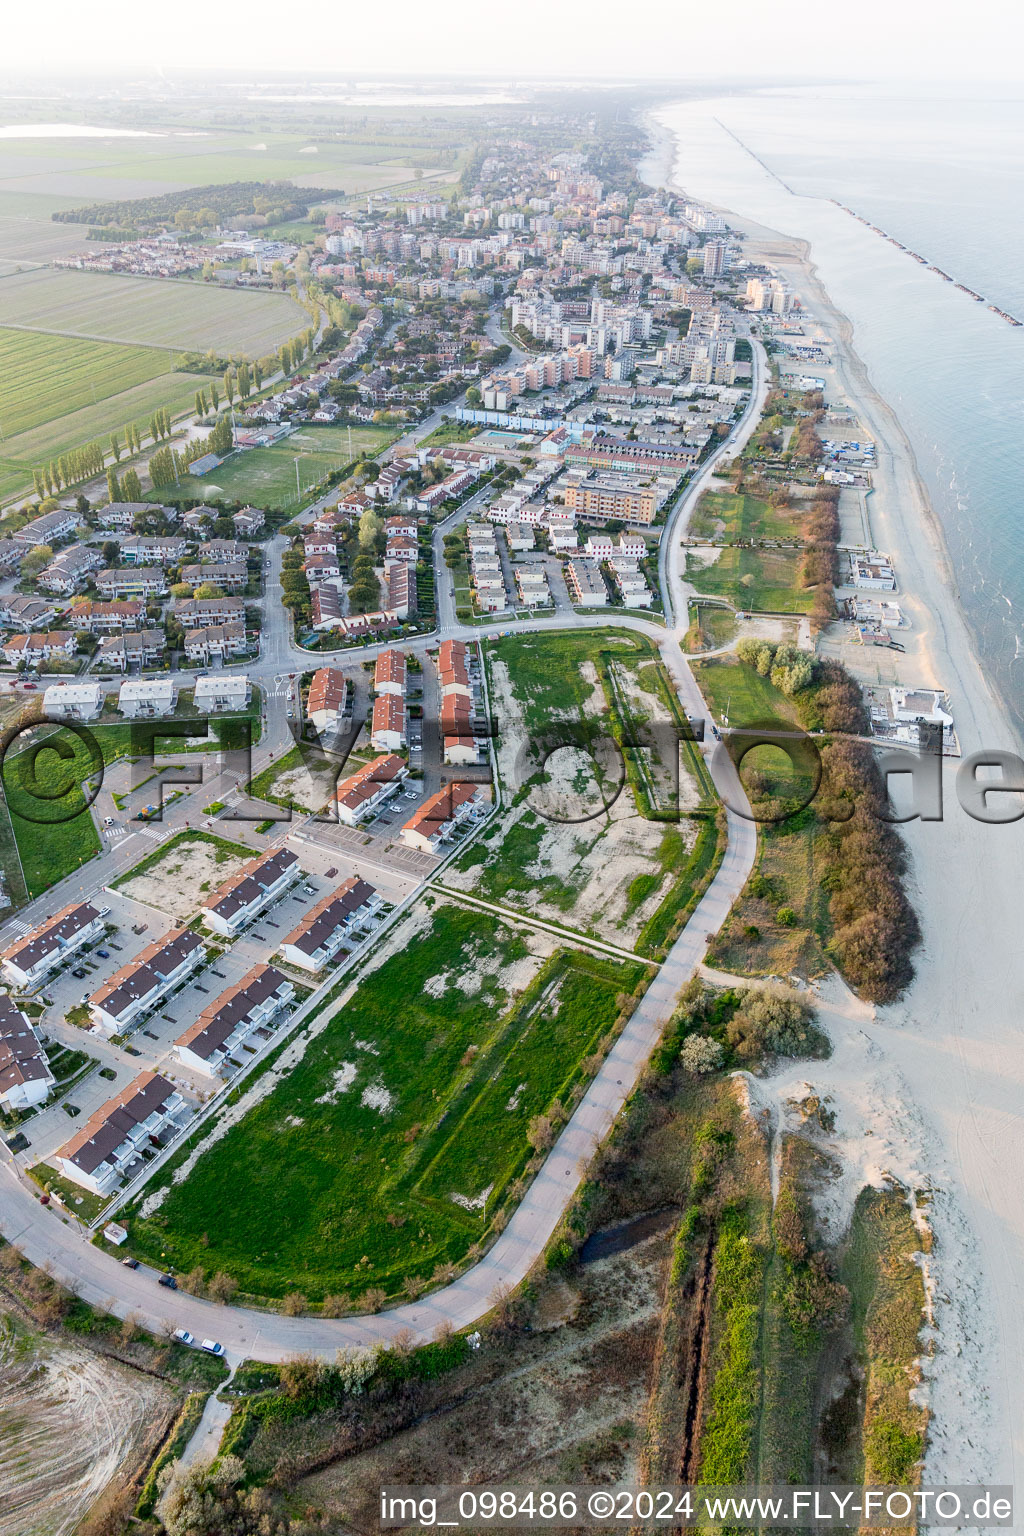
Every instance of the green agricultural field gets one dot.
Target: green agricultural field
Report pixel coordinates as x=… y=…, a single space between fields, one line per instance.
x=421 y=1088
x=177 y=316
x=113 y=407
x=45 y=378
x=96 y=169
x=754 y=580
x=267 y=476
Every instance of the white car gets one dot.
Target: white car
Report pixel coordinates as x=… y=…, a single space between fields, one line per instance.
x=183 y=1336
x=212 y=1347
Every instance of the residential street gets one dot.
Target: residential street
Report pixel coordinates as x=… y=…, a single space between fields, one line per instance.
x=99 y=1278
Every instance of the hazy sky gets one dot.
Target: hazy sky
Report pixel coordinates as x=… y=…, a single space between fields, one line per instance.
x=908 y=39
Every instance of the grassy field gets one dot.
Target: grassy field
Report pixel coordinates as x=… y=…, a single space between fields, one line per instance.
x=419 y=1089
x=49 y=816
x=178 y=316
x=887 y=1297
x=780 y=922
x=755 y=580
x=710 y=627
x=625 y=867
x=722 y=515
x=732 y=687
x=53 y=826
x=103 y=352
x=266 y=476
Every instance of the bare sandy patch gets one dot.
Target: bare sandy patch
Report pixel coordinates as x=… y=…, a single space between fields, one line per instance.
x=183 y=877
x=310 y=787
x=71 y=1421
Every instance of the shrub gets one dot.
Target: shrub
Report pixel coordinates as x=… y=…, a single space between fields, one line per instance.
x=294 y=1304
x=700 y=1055
x=773 y=1021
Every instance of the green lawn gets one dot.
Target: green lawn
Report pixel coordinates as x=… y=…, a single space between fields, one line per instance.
x=49 y=815
x=421 y=1087
x=267 y=476
x=722 y=515
x=735 y=688
x=52 y=824
x=755 y=580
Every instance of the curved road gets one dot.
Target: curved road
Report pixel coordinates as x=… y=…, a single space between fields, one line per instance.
x=101 y=1280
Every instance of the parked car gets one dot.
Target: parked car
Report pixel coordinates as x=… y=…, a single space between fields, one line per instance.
x=183 y=1336
x=130 y=1263
x=79 y=971
x=31 y=687
x=212 y=1347
x=104 y=954
x=169 y=1281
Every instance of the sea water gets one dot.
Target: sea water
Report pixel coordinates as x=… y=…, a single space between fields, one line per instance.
x=944 y=174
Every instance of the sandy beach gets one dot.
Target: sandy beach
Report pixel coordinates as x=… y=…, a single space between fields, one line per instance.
x=931 y=1090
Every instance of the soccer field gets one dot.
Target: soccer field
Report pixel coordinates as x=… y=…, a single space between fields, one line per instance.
x=271 y=477
x=180 y=316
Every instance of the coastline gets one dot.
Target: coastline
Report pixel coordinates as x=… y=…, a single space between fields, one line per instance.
x=929 y=1089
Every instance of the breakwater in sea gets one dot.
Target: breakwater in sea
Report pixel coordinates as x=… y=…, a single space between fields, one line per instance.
x=916 y=255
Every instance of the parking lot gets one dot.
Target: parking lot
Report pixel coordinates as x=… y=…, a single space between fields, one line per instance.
x=149 y=1046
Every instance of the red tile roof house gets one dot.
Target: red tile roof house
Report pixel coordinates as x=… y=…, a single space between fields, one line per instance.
x=439 y=818
x=328 y=697
x=236 y=1023
x=330 y=924
x=390 y=673
x=388 y=724
x=363 y=793
x=109 y=1147
x=255 y=887
x=138 y=988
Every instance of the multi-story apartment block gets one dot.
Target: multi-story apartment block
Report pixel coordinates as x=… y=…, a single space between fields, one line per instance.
x=237 y=1023
x=29 y=960
x=248 y=894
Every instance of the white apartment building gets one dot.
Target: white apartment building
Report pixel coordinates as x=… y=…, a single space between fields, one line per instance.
x=108 y=1149
x=140 y=697
x=139 y=987
x=223 y=691
x=73 y=701
x=252 y=890
x=330 y=924
x=25 y=1076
